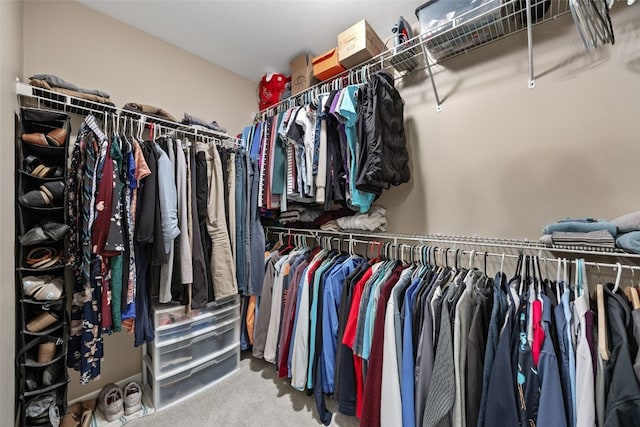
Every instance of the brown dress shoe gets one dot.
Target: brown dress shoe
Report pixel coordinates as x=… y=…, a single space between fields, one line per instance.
x=35 y=138
x=57 y=137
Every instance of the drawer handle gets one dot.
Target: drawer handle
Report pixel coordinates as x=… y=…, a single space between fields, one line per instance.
x=204 y=337
x=172 y=349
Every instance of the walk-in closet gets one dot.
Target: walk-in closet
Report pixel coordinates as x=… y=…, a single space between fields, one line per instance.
x=366 y=213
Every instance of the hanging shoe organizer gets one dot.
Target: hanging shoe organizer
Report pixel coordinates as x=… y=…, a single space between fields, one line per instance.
x=42 y=325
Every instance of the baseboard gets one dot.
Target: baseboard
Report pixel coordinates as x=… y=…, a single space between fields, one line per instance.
x=94 y=394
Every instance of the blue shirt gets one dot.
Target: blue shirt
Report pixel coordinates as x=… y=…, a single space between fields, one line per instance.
x=551 y=407
x=563 y=354
x=330 y=308
x=372 y=306
x=256 y=141
x=314 y=319
x=408 y=364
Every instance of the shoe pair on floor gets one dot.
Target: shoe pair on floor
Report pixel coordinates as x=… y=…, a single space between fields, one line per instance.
x=115 y=402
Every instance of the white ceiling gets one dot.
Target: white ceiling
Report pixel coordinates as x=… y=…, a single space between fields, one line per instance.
x=250 y=37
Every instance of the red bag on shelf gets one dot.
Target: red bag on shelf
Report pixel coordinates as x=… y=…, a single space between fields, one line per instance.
x=270 y=88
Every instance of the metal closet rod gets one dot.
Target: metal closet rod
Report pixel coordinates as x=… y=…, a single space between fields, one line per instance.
x=452 y=240
x=397 y=250
x=63 y=102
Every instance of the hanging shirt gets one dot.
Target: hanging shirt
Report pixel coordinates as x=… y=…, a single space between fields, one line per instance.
x=623 y=397
x=551 y=411
x=566 y=307
x=585 y=397
x=408 y=366
x=323 y=271
x=391 y=411
x=300 y=355
x=373 y=386
x=348 y=109
x=331 y=307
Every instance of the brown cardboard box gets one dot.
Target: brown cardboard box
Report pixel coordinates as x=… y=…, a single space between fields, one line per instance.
x=326 y=65
x=301 y=73
x=358 y=43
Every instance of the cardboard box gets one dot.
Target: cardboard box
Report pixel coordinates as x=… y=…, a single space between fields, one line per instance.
x=358 y=43
x=326 y=65
x=301 y=73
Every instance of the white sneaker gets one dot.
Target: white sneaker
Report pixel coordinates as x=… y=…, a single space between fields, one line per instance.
x=132 y=398
x=110 y=402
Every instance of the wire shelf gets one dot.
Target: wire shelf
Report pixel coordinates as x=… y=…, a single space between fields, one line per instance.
x=442 y=43
x=70 y=104
x=471 y=29
x=459 y=240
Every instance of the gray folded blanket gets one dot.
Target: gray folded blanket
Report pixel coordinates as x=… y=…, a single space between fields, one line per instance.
x=193 y=120
x=56 y=81
x=628 y=222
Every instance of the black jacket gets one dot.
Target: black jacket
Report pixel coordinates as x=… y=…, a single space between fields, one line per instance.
x=383 y=157
x=623 y=397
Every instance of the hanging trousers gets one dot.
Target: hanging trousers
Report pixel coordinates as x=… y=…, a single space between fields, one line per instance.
x=223 y=270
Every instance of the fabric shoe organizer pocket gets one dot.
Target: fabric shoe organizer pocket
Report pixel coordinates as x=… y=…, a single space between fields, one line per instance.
x=41 y=318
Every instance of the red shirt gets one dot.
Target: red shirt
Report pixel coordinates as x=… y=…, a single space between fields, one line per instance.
x=538 y=332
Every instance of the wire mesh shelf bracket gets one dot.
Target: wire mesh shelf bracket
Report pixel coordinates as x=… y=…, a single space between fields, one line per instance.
x=532 y=82
x=62 y=102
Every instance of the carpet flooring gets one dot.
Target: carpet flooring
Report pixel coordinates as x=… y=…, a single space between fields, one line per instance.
x=253 y=397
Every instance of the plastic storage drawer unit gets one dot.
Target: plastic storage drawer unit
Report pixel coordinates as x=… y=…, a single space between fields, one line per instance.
x=452 y=26
x=205 y=320
x=165 y=315
x=174 y=355
x=193 y=380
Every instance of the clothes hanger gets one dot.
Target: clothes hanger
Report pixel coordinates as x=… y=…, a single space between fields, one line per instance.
x=635 y=299
x=618 y=276
x=485 y=264
x=583 y=284
x=603 y=339
x=577 y=290
x=524 y=279
x=472 y=256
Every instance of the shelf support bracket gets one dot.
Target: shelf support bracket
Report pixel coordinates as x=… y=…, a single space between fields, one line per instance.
x=532 y=81
x=433 y=83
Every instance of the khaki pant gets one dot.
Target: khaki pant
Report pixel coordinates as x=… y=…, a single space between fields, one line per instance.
x=223 y=271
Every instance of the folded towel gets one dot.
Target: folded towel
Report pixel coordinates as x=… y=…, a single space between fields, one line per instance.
x=581 y=227
x=374 y=220
x=628 y=222
x=630 y=242
x=600 y=238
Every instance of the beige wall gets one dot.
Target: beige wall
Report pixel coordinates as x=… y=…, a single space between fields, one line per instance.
x=502 y=160
x=10 y=68
x=92 y=50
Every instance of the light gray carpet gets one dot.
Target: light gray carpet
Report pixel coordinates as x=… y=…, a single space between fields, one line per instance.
x=253 y=396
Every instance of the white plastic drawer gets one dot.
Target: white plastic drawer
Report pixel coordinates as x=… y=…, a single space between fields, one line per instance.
x=191 y=381
x=175 y=354
x=167 y=315
x=196 y=324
